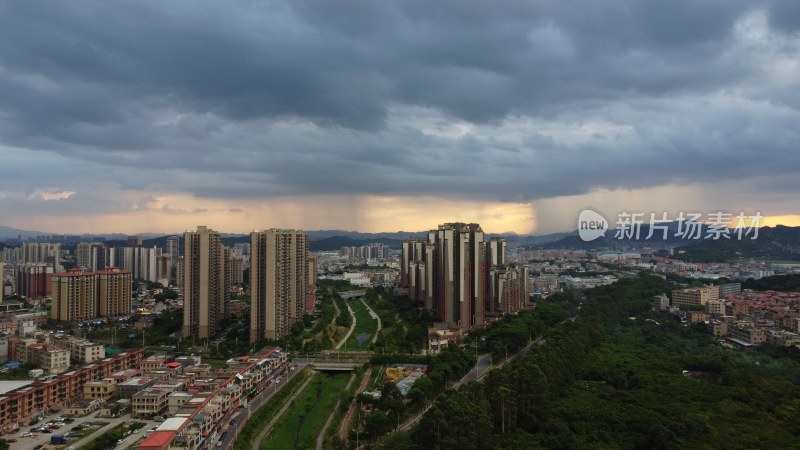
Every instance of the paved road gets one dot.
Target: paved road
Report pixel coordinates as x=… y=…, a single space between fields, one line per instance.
x=483 y=364
x=350 y=331
x=243 y=415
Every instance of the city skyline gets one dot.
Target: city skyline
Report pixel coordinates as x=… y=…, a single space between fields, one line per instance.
x=137 y=117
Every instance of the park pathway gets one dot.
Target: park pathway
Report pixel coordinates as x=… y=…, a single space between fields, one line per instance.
x=376 y=317
x=350 y=331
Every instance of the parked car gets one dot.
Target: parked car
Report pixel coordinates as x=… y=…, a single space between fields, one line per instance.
x=26 y=434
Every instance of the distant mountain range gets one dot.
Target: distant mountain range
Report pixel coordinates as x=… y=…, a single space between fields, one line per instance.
x=773 y=243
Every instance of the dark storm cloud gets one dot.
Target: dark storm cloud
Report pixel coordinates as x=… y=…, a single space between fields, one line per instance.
x=464 y=99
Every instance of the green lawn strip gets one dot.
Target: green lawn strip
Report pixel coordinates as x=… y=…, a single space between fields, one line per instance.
x=109 y=438
x=260 y=419
x=364 y=324
x=299 y=427
x=346 y=397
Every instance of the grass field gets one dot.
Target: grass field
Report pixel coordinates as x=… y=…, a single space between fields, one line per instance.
x=364 y=324
x=302 y=422
x=258 y=421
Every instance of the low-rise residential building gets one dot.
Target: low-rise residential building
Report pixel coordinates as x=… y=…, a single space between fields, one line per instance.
x=154 y=362
x=206 y=401
x=699 y=316
x=176 y=400
x=737 y=308
x=21 y=349
x=750 y=336
x=125 y=375
x=783 y=338
x=694 y=296
x=83 y=407
x=716 y=307
x=441 y=338
x=126 y=389
x=149 y=402
x=51 y=360
x=80 y=350
x=104 y=389
x=660 y=303
x=18 y=406
x=190 y=360
x=172 y=385
x=199 y=371
x=719 y=328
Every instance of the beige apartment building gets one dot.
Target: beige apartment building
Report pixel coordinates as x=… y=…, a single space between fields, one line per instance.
x=50 y=360
x=204 y=290
x=80 y=350
x=695 y=296
x=715 y=307
x=74 y=296
x=102 y=389
x=278 y=281
x=80 y=295
x=114 y=292
x=752 y=336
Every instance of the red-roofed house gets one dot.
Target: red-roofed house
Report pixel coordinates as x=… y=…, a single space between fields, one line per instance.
x=159 y=440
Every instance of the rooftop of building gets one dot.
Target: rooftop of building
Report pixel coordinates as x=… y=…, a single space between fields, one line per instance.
x=136 y=381
x=173 y=424
x=158 y=440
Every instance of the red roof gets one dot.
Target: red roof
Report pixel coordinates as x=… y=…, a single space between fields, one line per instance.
x=173 y=364
x=158 y=440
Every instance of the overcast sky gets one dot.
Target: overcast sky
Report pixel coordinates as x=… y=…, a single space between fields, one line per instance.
x=138 y=116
